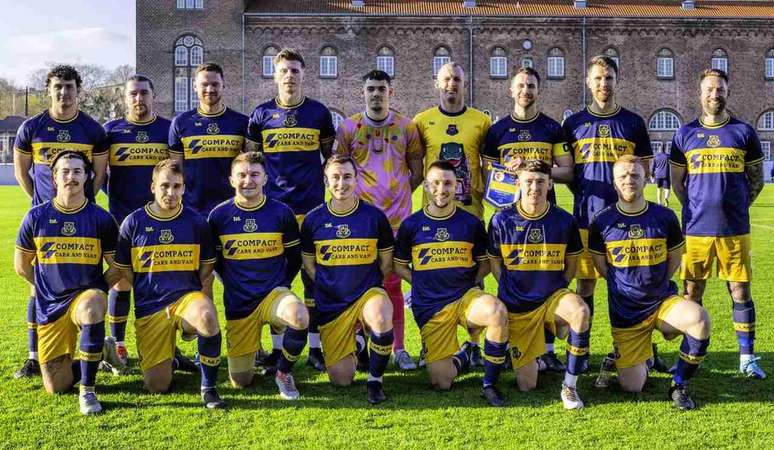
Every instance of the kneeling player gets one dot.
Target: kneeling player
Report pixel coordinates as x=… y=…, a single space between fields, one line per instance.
x=446 y=247
x=533 y=247
x=637 y=246
x=347 y=249
x=59 y=251
x=165 y=251
x=258 y=250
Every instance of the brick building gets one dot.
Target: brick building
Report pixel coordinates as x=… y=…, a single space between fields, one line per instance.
x=661 y=46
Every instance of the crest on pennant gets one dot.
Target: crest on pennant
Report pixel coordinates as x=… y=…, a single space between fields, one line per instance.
x=535 y=235
x=343 y=231
x=68 y=229
x=250 y=225
x=442 y=234
x=213 y=128
x=166 y=237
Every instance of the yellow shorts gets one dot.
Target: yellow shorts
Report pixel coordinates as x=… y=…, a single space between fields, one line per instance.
x=243 y=336
x=633 y=344
x=732 y=253
x=338 y=336
x=585 y=269
x=526 y=329
x=157 y=334
x=440 y=333
x=60 y=337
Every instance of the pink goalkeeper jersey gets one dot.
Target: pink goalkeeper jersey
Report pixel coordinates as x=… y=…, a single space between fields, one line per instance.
x=382 y=151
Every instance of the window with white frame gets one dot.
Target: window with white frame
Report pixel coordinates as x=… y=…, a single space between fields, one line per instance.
x=668 y=147
x=766 y=121
x=189 y=53
x=665 y=64
x=441 y=56
x=769 y=65
x=267 y=61
x=555 y=63
x=612 y=53
x=385 y=61
x=190 y=4
x=720 y=60
x=766 y=150
x=527 y=61
x=328 y=63
x=498 y=63
x=656 y=146
x=664 y=120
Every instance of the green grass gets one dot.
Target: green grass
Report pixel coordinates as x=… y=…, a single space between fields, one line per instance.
x=734 y=411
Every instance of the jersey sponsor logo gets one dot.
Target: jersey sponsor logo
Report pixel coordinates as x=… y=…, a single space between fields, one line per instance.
x=137 y=154
x=68 y=250
x=68 y=229
x=43 y=152
x=636 y=252
x=291 y=140
x=343 y=231
x=63 y=136
x=141 y=137
x=601 y=150
x=715 y=160
x=442 y=255
x=346 y=252
x=165 y=258
x=525 y=150
x=244 y=246
x=533 y=257
x=442 y=234
x=221 y=146
x=166 y=237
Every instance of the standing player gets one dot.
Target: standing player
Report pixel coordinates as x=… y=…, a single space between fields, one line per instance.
x=295 y=133
x=135 y=144
x=533 y=249
x=258 y=249
x=599 y=135
x=59 y=251
x=388 y=153
x=529 y=134
x=165 y=251
x=61 y=127
x=661 y=175
x=454 y=132
x=717 y=169
x=636 y=246
x=347 y=249
x=446 y=248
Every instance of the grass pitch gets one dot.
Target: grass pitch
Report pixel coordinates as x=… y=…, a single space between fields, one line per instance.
x=734 y=411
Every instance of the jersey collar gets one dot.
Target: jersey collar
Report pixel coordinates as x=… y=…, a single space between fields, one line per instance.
x=71 y=119
x=617 y=110
x=163 y=219
x=153 y=119
x=634 y=214
x=344 y=214
x=451 y=114
x=253 y=208
x=64 y=210
x=283 y=106
x=532 y=217
x=427 y=213
x=204 y=114
x=712 y=127
x=532 y=119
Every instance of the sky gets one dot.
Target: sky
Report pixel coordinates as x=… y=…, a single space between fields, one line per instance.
x=35 y=32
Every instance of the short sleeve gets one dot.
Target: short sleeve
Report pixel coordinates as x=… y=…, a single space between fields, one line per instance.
x=212 y=222
x=642 y=146
x=100 y=140
x=175 y=139
x=327 y=131
x=490 y=152
x=290 y=235
x=25 y=240
x=386 y=240
x=255 y=128
x=574 y=242
x=493 y=242
x=752 y=152
x=414 y=147
x=108 y=233
x=403 y=243
x=675 y=237
x=123 y=255
x=676 y=155
x=596 y=241
x=559 y=141
x=479 y=241
x=307 y=236
x=23 y=141
x=206 y=245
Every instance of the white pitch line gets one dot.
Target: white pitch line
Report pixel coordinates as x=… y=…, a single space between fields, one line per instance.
x=767 y=227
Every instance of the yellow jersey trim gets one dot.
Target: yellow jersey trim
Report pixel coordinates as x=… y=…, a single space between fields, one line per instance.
x=712 y=127
x=284 y=106
x=634 y=214
x=219 y=113
x=532 y=217
x=344 y=214
x=64 y=210
x=71 y=119
x=617 y=110
x=429 y=215
x=153 y=119
x=164 y=219
x=261 y=202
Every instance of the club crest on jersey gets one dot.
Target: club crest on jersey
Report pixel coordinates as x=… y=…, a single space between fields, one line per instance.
x=63 y=136
x=442 y=234
x=603 y=131
x=213 y=128
x=636 y=231
x=713 y=140
x=166 y=237
x=290 y=120
x=343 y=231
x=535 y=235
x=451 y=130
x=142 y=136
x=524 y=135
x=250 y=225
x=68 y=228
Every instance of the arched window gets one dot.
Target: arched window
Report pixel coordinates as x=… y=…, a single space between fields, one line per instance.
x=766 y=121
x=527 y=61
x=612 y=53
x=190 y=4
x=329 y=63
x=664 y=120
x=441 y=56
x=267 y=61
x=720 y=60
x=385 y=60
x=555 y=63
x=498 y=63
x=665 y=64
x=769 y=64
x=189 y=53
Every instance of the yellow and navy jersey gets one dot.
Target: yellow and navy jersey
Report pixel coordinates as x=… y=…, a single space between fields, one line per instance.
x=597 y=142
x=208 y=143
x=134 y=149
x=165 y=254
x=715 y=158
x=250 y=244
x=43 y=137
x=540 y=137
x=291 y=138
x=636 y=246
x=68 y=246
x=534 y=250
x=443 y=253
x=661 y=166
x=457 y=138
x=346 y=249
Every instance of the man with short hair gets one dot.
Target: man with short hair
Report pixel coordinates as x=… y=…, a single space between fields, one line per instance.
x=166 y=252
x=446 y=248
x=347 y=249
x=136 y=143
x=387 y=150
x=524 y=134
x=59 y=250
x=60 y=127
x=637 y=246
x=717 y=170
x=259 y=255
x=661 y=177
x=533 y=249
x=295 y=133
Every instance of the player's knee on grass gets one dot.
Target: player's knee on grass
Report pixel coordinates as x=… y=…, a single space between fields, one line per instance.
x=92 y=308
x=241 y=371
x=343 y=372
x=158 y=378
x=57 y=375
x=441 y=374
x=526 y=377
x=205 y=319
x=632 y=379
